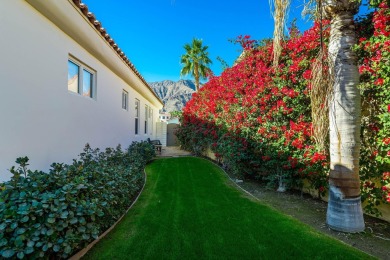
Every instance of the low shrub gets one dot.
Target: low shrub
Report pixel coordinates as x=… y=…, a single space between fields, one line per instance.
x=53 y=215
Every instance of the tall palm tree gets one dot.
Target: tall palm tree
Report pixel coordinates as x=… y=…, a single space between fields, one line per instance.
x=344 y=207
x=195 y=61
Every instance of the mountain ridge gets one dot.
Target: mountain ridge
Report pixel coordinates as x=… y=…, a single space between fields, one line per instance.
x=174 y=94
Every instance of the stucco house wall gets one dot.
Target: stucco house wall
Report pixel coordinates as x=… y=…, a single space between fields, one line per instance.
x=39 y=117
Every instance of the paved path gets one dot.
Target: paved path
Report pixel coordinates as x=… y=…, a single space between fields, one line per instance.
x=172 y=151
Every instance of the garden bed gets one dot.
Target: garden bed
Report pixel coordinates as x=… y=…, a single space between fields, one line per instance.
x=374 y=241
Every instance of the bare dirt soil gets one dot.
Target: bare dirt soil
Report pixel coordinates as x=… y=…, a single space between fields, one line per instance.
x=375 y=240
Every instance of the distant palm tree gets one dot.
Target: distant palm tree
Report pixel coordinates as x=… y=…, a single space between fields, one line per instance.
x=195 y=61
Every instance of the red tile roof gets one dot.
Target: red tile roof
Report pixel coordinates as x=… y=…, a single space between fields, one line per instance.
x=91 y=17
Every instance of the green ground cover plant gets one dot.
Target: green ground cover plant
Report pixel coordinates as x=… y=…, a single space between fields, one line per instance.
x=52 y=215
x=189 y=210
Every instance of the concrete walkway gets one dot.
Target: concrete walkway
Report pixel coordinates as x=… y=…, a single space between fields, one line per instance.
x=173 y=151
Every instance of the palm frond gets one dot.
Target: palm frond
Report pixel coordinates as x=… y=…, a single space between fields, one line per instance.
x=310 y=9
x=196 y=60
x=320 y=95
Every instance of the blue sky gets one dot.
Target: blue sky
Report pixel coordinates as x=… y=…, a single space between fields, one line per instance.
x=152 y=32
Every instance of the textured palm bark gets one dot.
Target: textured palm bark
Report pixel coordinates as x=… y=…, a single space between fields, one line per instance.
x=196 y=72
x=280 y=14
x=344 y=209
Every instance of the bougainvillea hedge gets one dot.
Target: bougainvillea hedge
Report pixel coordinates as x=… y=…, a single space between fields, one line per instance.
x=257 y=119
x=374 y=53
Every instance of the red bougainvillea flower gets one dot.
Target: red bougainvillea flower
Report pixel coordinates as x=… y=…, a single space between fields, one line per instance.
x=379 y=82
x=307 y=74
x=373 y=128
x=265 y=158
x=318 y=157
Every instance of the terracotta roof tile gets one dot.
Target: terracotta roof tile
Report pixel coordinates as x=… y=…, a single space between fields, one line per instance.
x=83 y=8
x=97 y=24
x=77 y=2
x=92 y=19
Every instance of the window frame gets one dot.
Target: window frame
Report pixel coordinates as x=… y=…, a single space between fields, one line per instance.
x=146 y=119
x=136 y=116
x=125 y=100
x=81 y=68
x=151 y=120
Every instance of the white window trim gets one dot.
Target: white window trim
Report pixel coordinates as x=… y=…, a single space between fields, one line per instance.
x=151 y=121
x=125 y=100
x=82 y=66
x=146 y=122
x=136 y=116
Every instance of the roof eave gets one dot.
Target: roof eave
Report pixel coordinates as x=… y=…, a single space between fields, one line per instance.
x=86 y=30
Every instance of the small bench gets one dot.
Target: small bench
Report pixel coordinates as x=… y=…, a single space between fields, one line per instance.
x=156 y=144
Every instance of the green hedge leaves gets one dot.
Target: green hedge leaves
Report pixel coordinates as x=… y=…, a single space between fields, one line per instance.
x=57 y=213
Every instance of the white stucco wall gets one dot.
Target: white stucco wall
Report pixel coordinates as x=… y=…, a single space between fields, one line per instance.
x=39 y=117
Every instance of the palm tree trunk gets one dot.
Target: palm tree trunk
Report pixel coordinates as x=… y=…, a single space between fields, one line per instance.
x=196 y=75
x=344 y=208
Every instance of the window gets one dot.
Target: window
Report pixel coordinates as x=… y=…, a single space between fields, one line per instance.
x=136 y=116
x=87 y=83
x=81 y=79
x=125 y=97
x=146 y=118
x=151 y=120
x=73 y=77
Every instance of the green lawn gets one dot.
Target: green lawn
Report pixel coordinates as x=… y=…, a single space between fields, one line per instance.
x=189 y=210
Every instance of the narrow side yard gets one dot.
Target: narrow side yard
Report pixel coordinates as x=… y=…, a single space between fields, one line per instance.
x=189 y=210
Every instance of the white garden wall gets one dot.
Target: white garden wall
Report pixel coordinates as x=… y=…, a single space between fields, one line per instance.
x=162 y=132
x=39 y=117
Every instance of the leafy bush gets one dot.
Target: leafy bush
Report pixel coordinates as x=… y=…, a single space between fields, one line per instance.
x=257 y=119
x=55 y=214
x=374 y=53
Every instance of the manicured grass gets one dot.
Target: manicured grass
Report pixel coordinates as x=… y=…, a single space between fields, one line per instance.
x=189 y=210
